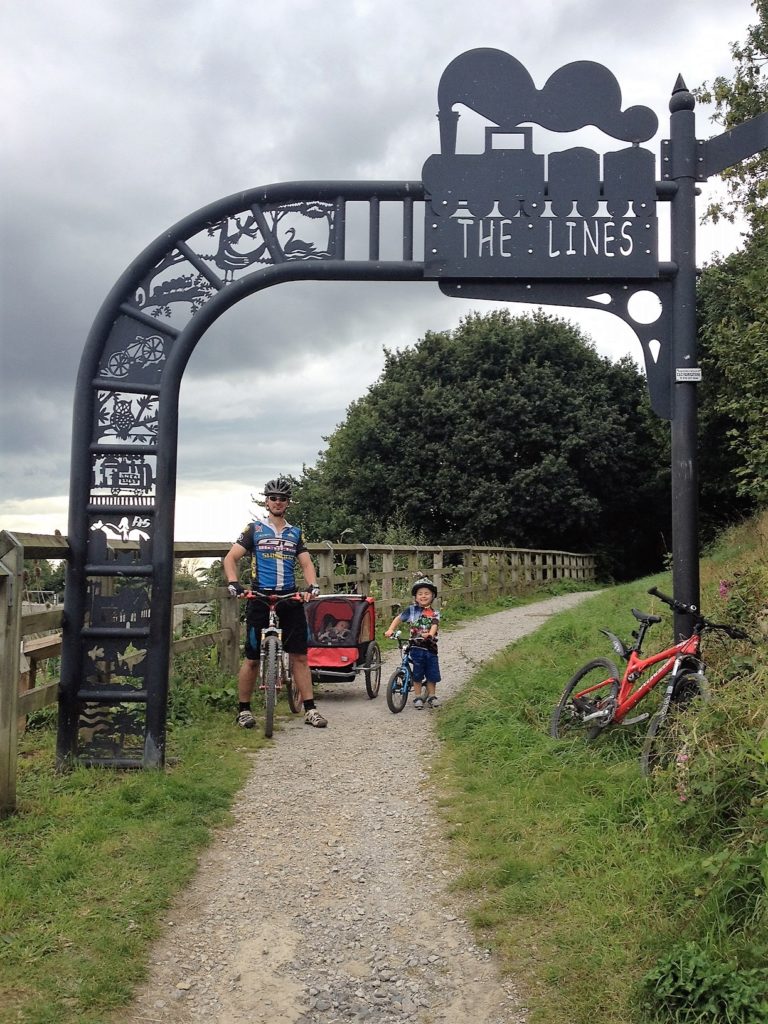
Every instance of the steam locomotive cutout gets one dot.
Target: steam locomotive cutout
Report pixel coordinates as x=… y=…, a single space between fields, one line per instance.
x=495 y=214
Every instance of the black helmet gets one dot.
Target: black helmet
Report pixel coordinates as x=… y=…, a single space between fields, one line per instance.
x=423 y=582
x=280 y=485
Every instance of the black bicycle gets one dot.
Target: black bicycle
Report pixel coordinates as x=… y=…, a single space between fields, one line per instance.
x=401 y=681
x=274 y=665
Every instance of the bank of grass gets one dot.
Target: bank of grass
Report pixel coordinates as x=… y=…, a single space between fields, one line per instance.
x=586 y=877
x=92 y=859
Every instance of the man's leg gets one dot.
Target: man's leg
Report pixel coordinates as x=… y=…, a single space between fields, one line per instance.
x=246 y=680
x=302 y=675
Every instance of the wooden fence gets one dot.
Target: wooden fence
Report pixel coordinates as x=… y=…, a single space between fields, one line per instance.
x=462 y=574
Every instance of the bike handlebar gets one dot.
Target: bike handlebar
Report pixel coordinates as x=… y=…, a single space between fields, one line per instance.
x=701 y=623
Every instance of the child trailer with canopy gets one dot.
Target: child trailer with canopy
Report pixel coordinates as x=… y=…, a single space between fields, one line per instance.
x=342 y=640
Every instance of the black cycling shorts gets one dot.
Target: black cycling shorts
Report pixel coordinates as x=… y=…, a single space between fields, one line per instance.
x=293 y=622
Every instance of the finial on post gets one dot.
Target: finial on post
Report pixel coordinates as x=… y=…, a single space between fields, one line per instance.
x=682 y=98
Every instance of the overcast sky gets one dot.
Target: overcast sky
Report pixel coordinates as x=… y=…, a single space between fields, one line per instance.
x=120 y=117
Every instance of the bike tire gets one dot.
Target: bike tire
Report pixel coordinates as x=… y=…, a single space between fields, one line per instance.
x=567 y=719
x=271 y=670
x=373 y=669
x=669 y=736
x=295 y=702
x=397 y=691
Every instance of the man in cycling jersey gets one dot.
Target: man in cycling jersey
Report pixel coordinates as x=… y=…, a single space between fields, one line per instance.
x=274 y=546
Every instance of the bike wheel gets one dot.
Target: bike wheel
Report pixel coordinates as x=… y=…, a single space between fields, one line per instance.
x=671 y=733
x=295 y=702
x=373 y=669
x=397 y=691
x=271 y=669
x=590 y=692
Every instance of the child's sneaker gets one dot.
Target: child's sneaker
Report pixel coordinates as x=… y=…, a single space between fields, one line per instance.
x=245 y=719
x=418 y=703
x=433 y=702
x=314 y=718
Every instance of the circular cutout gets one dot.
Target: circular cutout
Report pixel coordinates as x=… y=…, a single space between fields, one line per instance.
x=644 y=307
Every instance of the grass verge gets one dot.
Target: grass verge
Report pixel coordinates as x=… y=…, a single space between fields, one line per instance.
x=587 y=878
x=93 y=858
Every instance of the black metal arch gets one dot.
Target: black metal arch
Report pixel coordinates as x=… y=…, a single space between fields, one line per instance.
x=120 y=573
x=496 y=229
x=118 y=606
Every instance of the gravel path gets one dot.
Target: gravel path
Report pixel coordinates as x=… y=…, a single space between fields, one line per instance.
x=327 y=900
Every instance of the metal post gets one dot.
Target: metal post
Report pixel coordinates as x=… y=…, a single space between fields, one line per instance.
x=685 y=546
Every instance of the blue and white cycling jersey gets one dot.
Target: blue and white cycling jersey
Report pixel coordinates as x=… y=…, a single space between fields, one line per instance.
x=273 y=555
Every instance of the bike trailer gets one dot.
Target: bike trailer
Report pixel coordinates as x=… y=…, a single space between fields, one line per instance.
x=342 y=639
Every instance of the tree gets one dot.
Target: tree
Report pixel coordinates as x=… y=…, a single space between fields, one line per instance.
x=733 y=307
x=736 y=100
x=508 y=430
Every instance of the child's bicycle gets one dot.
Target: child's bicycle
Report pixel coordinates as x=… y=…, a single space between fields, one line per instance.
x=274 y=666
x=598 y=695
x=401 y=681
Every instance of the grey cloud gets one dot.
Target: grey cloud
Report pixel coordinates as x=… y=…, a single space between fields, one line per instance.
x=124 y=118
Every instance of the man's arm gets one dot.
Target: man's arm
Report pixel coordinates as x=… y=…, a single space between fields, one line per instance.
x=308 y=569
x=230 y=562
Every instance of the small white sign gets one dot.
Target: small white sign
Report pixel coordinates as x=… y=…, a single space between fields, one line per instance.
x=685 y=374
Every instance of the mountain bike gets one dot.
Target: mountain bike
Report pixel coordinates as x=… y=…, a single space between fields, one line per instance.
x=401 y=681
x=274 y=665
x=599 y=696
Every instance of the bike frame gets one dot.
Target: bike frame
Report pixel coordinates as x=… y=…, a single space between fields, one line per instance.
x=672 y=657
x=272 y=629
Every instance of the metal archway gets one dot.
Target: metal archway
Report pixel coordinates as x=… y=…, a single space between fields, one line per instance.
x=491 y=220
x=118 y=601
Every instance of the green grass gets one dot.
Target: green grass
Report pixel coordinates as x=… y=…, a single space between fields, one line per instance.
x=584 y=875
x=92 y=859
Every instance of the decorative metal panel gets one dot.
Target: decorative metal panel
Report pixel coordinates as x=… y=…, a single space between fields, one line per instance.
x=512 y=212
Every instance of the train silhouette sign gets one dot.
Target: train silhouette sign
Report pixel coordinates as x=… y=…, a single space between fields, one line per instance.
x=498 y=214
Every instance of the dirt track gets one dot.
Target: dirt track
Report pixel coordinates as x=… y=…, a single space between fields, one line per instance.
x=327 y=900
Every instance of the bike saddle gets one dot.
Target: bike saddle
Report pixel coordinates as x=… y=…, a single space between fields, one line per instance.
x=647 y=619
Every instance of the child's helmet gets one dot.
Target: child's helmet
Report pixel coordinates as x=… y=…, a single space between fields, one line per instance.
x=424 y=582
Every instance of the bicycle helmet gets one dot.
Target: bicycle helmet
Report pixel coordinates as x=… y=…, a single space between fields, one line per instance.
x=424 y=582
x=280 y=485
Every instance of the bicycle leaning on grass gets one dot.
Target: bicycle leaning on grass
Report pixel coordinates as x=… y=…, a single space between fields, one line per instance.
x=599 y=696
x=274 y=666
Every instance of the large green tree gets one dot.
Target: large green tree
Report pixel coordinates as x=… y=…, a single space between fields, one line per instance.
x=733 y=305
x=507 y=430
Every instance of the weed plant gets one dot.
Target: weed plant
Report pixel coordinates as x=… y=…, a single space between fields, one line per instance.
x=610 y=897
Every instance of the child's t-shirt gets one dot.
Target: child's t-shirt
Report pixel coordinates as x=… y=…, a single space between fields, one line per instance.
x=419 y=619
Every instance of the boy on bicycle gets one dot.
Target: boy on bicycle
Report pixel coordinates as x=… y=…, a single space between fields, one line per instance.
x=424 y=622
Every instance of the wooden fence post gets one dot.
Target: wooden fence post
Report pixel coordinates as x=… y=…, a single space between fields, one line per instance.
x=229 y=619
x=363 y=570
x=387 y=570
x=11 y=593
x=437 y=571
x=325 y=569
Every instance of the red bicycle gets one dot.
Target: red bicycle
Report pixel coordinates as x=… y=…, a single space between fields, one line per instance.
x=274 y=665
x=599 y=696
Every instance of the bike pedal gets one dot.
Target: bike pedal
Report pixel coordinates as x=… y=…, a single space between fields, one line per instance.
x=639 y=718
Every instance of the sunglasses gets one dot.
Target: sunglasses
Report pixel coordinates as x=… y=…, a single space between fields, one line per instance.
x=277 y=497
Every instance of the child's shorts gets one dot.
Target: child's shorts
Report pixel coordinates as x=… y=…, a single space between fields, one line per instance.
x=425 y=665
